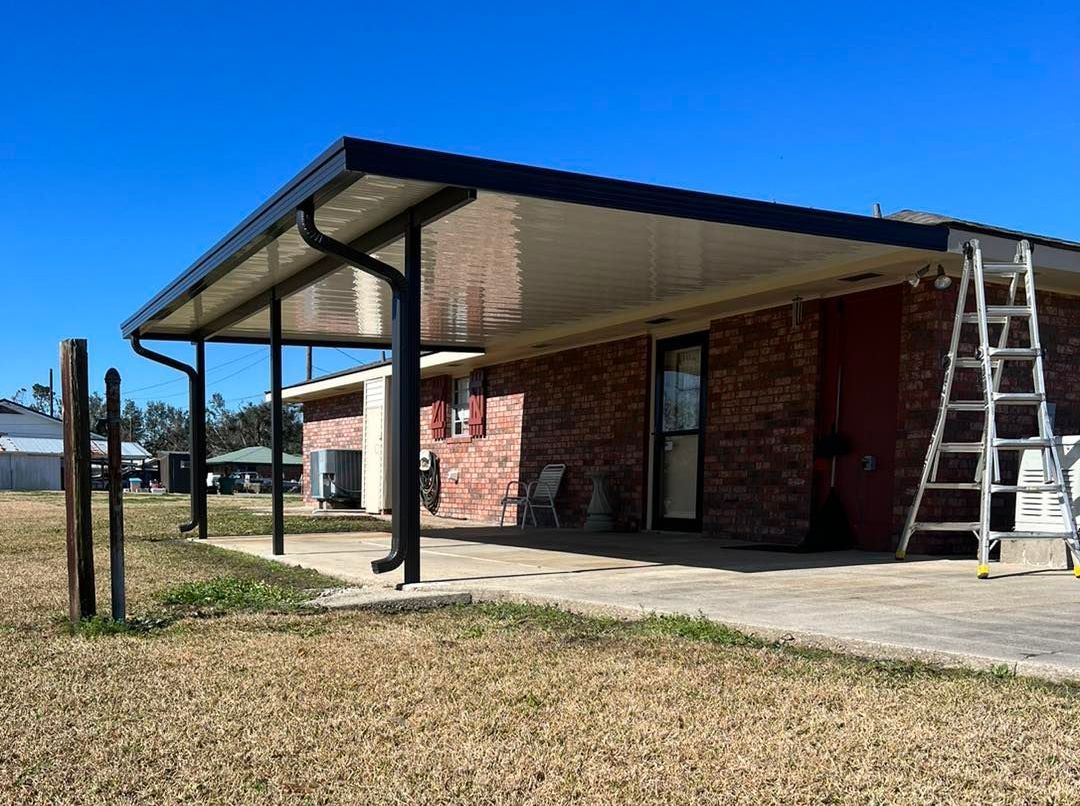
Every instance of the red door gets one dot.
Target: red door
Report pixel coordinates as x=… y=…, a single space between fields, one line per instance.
x=858 y=395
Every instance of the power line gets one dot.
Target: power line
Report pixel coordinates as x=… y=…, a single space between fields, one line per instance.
x=245 y=368
x=350 y=357
x=179 y=380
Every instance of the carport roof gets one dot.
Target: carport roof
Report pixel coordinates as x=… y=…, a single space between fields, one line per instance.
x=507 y=249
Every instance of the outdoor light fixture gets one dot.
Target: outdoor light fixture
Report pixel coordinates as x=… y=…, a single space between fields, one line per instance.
x=914 y=278
x=942 y=281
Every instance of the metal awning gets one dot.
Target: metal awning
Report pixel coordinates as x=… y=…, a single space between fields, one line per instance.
x=495 y=252
x=507 y=250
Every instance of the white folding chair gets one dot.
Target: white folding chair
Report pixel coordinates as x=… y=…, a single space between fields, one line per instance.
x=539 y=494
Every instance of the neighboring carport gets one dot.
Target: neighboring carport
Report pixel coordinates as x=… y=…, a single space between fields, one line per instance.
x=501 y=254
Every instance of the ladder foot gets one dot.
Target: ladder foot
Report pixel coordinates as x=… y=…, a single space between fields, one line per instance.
x=984 y=572
x=900 y=554
x=1076 y=571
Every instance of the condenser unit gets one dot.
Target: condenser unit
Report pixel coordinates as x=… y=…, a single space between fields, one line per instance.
x=1040 y=512
x=336 y=476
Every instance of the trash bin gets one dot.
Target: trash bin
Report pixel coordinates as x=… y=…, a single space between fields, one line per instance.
x=226 y=485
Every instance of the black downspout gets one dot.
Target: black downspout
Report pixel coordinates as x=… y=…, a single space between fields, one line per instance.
x=198 y=519
x=277 y=502
x=405 y=382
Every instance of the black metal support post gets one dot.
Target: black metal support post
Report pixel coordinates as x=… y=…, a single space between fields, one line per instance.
x=198 y=433
x=276 y=428
x=193 y=437
x=405 y=393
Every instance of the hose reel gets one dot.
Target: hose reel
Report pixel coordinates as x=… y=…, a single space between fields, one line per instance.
x=430 y=481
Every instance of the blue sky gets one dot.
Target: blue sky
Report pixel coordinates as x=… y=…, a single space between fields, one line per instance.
x=133 y=136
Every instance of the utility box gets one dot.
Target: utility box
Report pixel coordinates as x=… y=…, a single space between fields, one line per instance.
x=175 y=467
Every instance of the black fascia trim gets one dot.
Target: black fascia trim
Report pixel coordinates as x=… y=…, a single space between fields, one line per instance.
x=406 y=162
x=348 y=159
x=322 y=179
x=296 y=340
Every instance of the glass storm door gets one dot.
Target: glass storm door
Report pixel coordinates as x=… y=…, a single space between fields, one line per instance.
x=679 y=429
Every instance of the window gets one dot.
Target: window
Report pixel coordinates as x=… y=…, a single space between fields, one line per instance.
x=459 y=406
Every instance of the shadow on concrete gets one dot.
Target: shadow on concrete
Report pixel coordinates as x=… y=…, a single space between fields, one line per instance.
x=659 y=549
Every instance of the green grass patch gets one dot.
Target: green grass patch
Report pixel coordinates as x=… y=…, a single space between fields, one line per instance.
x=231 y=594
x=696 y=628
x=514 y=615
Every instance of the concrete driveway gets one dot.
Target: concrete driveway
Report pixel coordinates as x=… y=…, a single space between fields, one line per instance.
x=933 y=608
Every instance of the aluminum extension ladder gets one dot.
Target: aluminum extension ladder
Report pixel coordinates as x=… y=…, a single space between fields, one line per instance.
x=990 y=361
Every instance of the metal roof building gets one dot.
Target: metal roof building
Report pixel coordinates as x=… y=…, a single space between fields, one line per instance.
x=32 y=448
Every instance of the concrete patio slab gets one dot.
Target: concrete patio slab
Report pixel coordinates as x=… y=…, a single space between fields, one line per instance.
x=931 y=608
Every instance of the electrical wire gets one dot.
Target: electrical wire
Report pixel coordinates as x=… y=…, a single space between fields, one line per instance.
x=245 y=368
x=179 y=380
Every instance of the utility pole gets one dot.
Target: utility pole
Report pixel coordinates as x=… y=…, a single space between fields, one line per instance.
x=52 y=397
x=309 y=349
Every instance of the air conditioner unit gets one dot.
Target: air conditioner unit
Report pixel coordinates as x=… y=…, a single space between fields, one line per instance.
x=1041 y=512
x=336 y=476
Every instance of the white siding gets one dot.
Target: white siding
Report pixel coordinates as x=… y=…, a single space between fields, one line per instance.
x=22 y=471
x=29 y=425
x=376 y=490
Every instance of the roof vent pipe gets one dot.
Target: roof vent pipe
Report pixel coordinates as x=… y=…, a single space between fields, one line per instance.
x=877 y=210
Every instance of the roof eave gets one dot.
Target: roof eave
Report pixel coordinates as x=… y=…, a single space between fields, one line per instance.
x=323 y=178
x=348 y=159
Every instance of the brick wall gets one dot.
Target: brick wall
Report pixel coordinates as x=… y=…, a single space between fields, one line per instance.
x=926 y=329
x=331 y=422
x=760 y=429
x=585 y=407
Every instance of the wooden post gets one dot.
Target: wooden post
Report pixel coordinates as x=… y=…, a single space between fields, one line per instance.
x=82 y=601
x=116 y=495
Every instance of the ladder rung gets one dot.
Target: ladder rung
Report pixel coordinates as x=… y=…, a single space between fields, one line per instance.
x=1013 y=353
x=969 y=363
x=1032 y=536
x=946 y=527
x=1003 y=268
x=966 y=405
x=972 y=318
x=953 y=485
x=1018 y=398
x=960 y=447
x=1023 y=444
x=1047 y=487
x=1008 y=310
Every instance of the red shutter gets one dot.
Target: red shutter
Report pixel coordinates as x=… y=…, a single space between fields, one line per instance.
x=439 y=407
x=477 y=404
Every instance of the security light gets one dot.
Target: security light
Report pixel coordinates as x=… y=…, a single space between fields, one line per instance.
x=917 y=275
x=942 y=281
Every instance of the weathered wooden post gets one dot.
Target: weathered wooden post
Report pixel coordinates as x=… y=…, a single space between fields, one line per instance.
x=82 y=601
x=116 y=495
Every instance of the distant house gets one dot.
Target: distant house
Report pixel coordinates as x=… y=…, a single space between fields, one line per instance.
x=32 y=449
x=255 y=459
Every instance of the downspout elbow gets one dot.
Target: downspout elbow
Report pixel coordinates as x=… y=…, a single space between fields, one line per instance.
x=321 y=242
x=172 y=363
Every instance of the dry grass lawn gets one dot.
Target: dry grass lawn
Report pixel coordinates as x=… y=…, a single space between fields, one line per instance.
x=491 y=704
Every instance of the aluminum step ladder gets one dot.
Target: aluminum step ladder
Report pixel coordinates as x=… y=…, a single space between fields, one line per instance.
x=989 y=361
